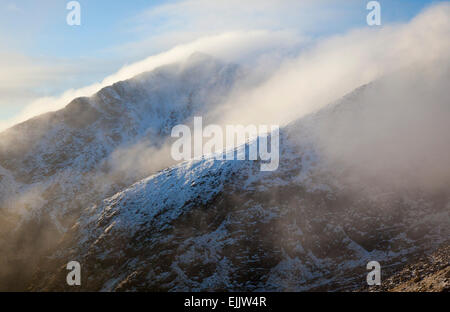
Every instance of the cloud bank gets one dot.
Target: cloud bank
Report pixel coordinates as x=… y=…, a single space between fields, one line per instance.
x=333 y=67
x=232 y=47
x=318 y=73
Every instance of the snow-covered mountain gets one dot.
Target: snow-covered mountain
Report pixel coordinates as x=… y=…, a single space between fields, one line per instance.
x=225 y=225
x=54 y=165
x=94 y=183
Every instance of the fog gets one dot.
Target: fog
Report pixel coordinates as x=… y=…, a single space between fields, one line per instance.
x=229 y=46
x=397 y=137
x=333 y=67
x=393 y=133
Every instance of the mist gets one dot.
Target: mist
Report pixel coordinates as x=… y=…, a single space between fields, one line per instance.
x=397 y=139
x=229 y=46
x=333 y=67
x=408 y=62
x=394 y=133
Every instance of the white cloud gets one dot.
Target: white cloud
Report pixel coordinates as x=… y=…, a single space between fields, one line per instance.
x=24 y=79
x=219 y=15
x=181 y=22
x=12 y=7
x=233 y=46
x=336 y=66
x=320 y=74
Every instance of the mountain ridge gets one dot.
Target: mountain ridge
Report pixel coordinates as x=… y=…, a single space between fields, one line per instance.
x=211 y=225
x=54 y=164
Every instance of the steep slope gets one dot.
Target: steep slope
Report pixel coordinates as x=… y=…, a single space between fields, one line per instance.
x=313 y=224
x=53 y=165
x=88 y=130
x=431 y=273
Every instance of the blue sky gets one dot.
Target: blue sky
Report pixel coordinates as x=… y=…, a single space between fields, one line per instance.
x=41 y=30
x=46 y=56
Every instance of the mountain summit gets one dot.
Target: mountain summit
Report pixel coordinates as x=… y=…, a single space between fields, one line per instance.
x=313 y=224
x=54 y=165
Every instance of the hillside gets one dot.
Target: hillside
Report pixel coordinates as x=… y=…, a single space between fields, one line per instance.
x=210 y=225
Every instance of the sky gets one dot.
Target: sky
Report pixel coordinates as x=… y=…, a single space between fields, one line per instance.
x=41 y=56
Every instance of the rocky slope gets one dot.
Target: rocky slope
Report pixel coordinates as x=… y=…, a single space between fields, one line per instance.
x=350 y=189
x=430 y=274
x=425 y=273
x=225 y=225
x=54 y=165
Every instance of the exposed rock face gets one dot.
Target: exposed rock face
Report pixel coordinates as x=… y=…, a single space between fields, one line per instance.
x=426 y=273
